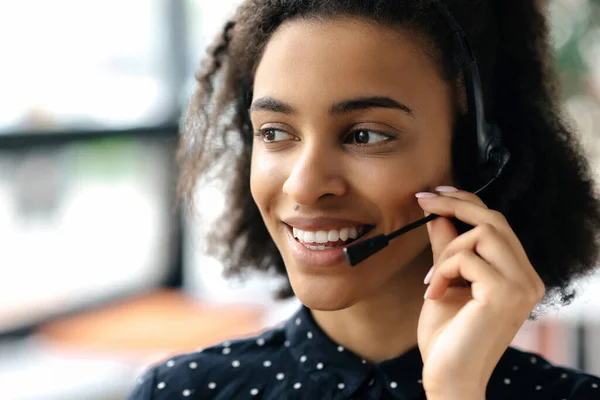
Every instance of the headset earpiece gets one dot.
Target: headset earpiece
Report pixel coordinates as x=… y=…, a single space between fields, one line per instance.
x=496 y=154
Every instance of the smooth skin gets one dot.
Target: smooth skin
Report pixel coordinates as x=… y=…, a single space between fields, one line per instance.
x=365 y=163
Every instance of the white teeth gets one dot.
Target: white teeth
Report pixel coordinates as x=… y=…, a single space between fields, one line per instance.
x=353 y=234
x=344 y=233
x=309 y=237
x=298 y=234
x=333 y=236
x=320 y=248
x=321 y=237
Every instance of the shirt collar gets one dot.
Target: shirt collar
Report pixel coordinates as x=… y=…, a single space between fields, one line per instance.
x=324 y=360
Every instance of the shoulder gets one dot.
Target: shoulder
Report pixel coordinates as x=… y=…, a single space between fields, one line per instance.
x=531 y=376
x=222 y=371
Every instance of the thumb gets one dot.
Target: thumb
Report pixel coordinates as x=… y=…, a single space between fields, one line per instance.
x=441 y=232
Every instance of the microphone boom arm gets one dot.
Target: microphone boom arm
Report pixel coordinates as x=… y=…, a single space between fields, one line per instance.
x=357 y=252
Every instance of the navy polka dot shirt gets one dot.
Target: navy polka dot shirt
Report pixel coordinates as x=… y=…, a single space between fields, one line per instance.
x=298 y=361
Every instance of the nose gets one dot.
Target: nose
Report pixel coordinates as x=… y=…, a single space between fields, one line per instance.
x=317 y=172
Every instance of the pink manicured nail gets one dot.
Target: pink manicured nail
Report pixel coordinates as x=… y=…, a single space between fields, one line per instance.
x=427 y=292
x=428 y=276
x=447 y=189
x=425 y=195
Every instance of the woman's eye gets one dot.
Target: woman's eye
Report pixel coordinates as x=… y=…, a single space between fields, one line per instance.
x=365 y=136
x=270 y=135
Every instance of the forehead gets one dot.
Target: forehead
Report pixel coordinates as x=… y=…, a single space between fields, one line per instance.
x=344 y=57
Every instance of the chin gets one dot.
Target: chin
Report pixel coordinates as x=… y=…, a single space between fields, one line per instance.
x=325 y=293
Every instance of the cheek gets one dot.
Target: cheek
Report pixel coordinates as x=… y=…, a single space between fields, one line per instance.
x=266 y=180
x=396 y=200
x=393 y=187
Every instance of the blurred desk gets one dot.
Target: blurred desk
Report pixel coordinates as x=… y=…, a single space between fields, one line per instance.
x=96 y=355
x=159 y=321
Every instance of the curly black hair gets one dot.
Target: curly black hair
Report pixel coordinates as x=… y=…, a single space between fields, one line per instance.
x=546 y=193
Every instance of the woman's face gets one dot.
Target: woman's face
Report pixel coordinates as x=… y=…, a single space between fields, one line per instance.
x=351 y=119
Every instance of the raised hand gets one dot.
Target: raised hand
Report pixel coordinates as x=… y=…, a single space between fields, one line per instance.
x=464 y=330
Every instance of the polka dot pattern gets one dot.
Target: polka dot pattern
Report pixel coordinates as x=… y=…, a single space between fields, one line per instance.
x=294 y=360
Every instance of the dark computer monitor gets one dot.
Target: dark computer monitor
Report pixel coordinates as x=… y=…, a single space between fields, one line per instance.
x=85 y=218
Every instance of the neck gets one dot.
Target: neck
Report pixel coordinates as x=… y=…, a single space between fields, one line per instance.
x=384 y=325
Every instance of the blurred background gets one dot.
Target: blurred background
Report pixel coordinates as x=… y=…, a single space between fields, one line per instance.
x=100 y=275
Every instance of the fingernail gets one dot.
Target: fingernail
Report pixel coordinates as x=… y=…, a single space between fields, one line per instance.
x=428 y=276
x=425 y=195
x=446 y=189
x=426 y=292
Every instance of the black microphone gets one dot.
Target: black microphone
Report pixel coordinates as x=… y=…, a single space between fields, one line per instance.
x=356 y=253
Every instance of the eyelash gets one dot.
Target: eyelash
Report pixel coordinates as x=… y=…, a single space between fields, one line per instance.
x=262 y=132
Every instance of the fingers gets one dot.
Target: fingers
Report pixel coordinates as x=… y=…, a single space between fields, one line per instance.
x=486 y=242
x=467 y=265
x=470 y=209
x=494 y=218
x=492 y=240
x=441 y=233
x=488 y=285
x=450 y=191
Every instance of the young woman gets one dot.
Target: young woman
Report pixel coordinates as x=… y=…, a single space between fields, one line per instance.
x=335 y=121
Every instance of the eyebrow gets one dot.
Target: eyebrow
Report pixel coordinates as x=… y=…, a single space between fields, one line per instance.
x=344 y=107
